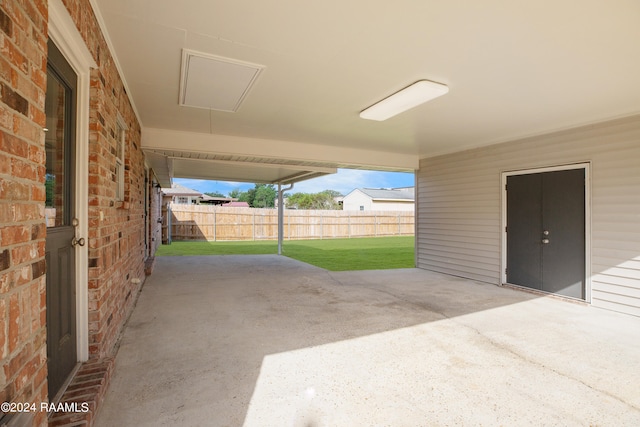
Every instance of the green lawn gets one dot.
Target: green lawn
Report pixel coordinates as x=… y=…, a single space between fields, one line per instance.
x=376 y=253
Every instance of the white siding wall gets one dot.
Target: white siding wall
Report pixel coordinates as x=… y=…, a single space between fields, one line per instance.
x=400 y=205
x=459 y=206
x=354 y=200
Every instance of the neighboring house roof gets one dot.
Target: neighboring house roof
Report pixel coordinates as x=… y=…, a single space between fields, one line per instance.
x=237 y=204
x=398 y=194
x=179 y=190
x=207 y=198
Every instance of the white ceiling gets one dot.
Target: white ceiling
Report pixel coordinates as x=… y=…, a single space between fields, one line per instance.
x=514 y=68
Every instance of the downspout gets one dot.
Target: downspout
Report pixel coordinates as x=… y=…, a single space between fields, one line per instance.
x=281 y=215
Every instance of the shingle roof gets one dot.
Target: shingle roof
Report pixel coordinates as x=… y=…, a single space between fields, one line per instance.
x=177 y=189
x=389 y=194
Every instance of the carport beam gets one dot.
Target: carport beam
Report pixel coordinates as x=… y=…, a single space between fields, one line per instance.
x=281 y=215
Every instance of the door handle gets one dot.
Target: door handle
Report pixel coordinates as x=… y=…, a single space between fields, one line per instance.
x=75 y=241
x=545 y=241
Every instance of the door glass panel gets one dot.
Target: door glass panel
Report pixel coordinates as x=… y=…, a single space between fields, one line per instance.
x=56 y=184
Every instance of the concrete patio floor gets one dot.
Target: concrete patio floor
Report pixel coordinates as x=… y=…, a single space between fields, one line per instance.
x=269 y=341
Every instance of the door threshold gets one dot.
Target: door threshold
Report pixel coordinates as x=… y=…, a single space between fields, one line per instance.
x=546 y=294
x=56 y=399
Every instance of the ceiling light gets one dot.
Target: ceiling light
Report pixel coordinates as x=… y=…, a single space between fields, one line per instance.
x=405 y=99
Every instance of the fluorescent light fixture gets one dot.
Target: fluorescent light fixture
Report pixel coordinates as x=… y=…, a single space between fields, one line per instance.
x=403 y=100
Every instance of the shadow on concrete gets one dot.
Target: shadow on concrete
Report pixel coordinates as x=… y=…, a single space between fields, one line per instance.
x=270 y=341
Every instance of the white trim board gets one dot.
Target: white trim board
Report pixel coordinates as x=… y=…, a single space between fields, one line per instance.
x=66 y=37
x=587 y=232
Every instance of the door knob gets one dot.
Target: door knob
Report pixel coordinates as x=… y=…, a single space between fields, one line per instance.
x=545 y=232
x=545 y=241
x=75 y=241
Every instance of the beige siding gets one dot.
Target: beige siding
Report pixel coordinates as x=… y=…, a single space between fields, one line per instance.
x=459 y=228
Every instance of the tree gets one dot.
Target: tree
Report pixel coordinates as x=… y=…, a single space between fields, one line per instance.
x=215 y=194
x=245 y=196
x=235 y=193
x=332 y=193
x=323 y=200
x=260 y=196
x=264 y=196
x=300 y=201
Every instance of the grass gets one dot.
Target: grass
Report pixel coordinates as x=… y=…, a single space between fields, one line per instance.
x=376 y=253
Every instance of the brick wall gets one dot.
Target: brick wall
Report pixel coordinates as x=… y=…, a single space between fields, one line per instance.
x=23 y=46
x=116 y=228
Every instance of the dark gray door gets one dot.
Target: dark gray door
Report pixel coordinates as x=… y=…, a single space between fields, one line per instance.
x=545 y=231
x=60 y=109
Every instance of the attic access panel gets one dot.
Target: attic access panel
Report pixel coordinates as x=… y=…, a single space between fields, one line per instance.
x=213 y=82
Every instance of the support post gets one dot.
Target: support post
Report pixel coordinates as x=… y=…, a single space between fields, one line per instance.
x=281 y=215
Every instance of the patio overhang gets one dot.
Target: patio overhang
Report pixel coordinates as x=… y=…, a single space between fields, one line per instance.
x=168 y=164
x=231 y=158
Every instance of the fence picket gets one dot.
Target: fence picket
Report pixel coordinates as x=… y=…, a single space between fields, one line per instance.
x=218 y=223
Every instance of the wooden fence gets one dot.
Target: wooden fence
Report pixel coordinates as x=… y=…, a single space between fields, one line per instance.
x=197 y=222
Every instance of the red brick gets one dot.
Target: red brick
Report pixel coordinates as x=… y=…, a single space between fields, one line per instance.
x=43 y=317
x=3 y=329
x=38 y=193
x=12 y=190
x=5 y=164
x=34 y=303
x=14 y=99
x=24 y=253
x=41 y=334
x=26 y=374
x=6 y=70
x=37 y=115
x=67 y=420
x=36 y=17
x=18 y=361
x=27 y=212
x=16 y=57
x=40 y=418
x=43 y=8
x=21 y=276
x=38 y=231
x=15 y=13
x=13 y=145
x=14 y=322
x=14 y=234
x=27 y=45
x=6 y=118
x=40 y=378
x=41 y=173
x=25 y=128
x=36 y=154
x=29 y=90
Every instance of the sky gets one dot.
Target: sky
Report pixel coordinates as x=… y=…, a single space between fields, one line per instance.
x=344 y=181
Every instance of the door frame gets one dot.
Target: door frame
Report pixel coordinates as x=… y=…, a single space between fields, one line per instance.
x=587 y=219
x=69 y=41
